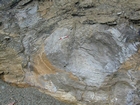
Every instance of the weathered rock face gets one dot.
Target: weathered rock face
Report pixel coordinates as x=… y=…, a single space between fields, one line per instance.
x=93 y=51
x=84 y=52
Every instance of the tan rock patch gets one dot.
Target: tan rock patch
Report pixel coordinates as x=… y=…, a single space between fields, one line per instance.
x=11 y=66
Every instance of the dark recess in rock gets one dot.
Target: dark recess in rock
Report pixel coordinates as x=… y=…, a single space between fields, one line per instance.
x=27 y=3
x=0 y=23
x=90 y=22
x=14 y=3
x=139 y=32
x=76 y=4
x=135 y=21
x=8 y=4
x=87 y=7
x=78 y=14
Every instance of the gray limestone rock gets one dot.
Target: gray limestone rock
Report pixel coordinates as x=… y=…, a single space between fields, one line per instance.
x=94 y=53
x=7 y=4
x=98 y=49
x=81 y=51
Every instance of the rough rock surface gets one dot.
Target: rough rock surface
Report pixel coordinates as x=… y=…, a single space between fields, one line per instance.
x=97 y=49
x=25 y=96
x=81 y=51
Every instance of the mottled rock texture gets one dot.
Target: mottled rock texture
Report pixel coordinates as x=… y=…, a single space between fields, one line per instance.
x=81 y=51
x=10 y=95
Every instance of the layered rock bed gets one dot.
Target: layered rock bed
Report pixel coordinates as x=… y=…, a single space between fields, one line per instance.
x=81 y=51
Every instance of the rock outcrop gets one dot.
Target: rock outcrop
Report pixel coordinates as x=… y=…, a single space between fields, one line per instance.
x=80 y=51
